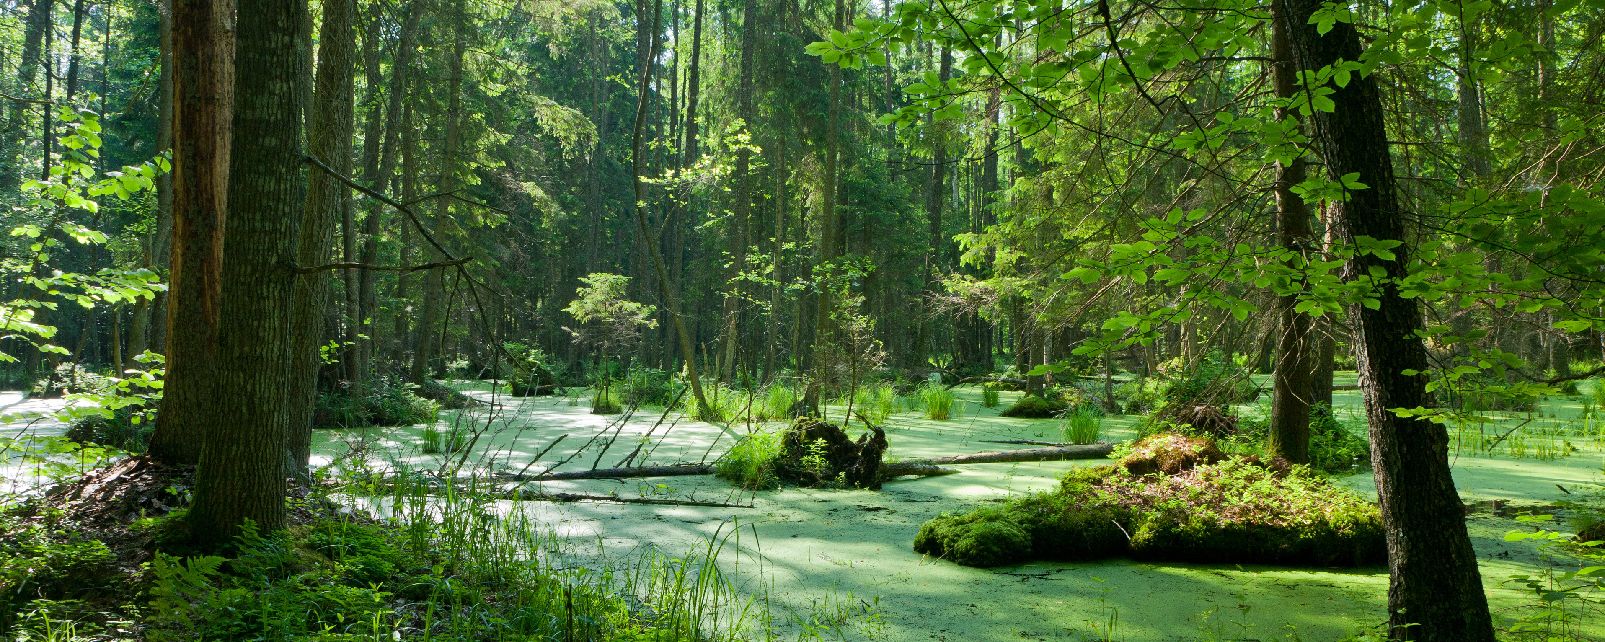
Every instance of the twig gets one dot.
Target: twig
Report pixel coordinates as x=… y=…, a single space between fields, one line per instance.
x=352 y=265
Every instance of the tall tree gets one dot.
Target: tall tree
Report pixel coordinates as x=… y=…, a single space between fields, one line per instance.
x=241 y=474
x=202 y=115
x=329 y=142
x=1435 y=591
x=1292 y=386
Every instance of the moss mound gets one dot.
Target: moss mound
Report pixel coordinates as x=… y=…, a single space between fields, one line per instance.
x=1170 y=454
x=1229 y=511
x=1035 y=407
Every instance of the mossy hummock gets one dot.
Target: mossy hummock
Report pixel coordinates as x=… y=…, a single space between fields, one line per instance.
x=1213 y=510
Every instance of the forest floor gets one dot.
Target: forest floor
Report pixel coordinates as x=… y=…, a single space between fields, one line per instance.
x=841 y=560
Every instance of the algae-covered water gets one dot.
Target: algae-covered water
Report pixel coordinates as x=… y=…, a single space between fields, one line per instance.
x=828 y=557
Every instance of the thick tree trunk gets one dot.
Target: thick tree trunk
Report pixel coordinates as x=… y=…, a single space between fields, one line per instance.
x=328 y=141
x=203 y=98
x=1291 y=389
x=150 y=314
x=1435 y=591
x=241 y=476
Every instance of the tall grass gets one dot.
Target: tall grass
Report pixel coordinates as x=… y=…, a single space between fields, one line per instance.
x=1082 y=426
x=938 y=400
x=776 y=402
x=725 y=404
x=876 y=403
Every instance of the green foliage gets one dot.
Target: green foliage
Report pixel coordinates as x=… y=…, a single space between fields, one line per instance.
x=750 y=464
x=1035 y=407
x=39 y=559
x=1212 y=380
x=533 y=371
x=875 y=402
x=385 y=401
x=1233 y=511
x=605 y=401
x=778 y=400
x=1335 y=447
x=938 y=400
x=725 y=404
x=989 y=396
x=651 y=387
x=1082 y=426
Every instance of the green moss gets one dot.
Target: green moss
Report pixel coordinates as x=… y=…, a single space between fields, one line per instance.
x=986 y=537
x=1035 y=407
x=1234 y=511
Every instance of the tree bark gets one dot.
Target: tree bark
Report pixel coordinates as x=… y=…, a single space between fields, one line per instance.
x=425 y=354
x=741 y=211
x=1435 y=591
x=241 y=476
x=330 y=142
x=829 y=231
x=203 y=99
x=1292 y=384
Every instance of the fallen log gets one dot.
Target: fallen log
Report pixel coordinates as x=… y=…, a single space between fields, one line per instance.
x=673 y=470
x=1052 y=453
x=524 y=495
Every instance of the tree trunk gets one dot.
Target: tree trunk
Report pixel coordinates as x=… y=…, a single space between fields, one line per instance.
x=1291 y=388
x=330 y=142
x=202 y=109
x=149 y=316
x=33 y=38
x=1435 y=591
x=638 y=165
x=425 y=354
x=742 y=210
x=241 y=476
x=829 y=226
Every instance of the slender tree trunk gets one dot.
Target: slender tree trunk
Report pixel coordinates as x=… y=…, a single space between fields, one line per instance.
x=28 y=64
x=150 y=314
x=425 y=353
x=202 y=109
x=742 y=210
x=830 y=231
x=241 y=476
x=1435 y=591
x=330 y=142
x=1291 y=388
x=638 y=165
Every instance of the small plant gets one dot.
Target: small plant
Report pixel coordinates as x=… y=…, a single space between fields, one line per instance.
x=989 y=396
x=431 y=445
x=938 y=401
x=777 y=403
x=605 y=401
x=1082 y=426
x=875 y=403
x=750 y=464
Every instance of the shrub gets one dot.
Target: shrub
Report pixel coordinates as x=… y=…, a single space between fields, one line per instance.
x=1334 y=448
x=1035 y=407
x=750 y=464
x=384 y=402
x=533 y=371
x=1213 y=380
x=605 y=401
x=67 y=378
x=938 y=401
x=989 y=396
x=126 y=430
x=650 y=387
x=1082 y=426
x=1233 y=511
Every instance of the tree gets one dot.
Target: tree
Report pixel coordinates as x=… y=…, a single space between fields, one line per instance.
x=607 y=319
x=203 y=100
x=1435 y=591
x=242 y=470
